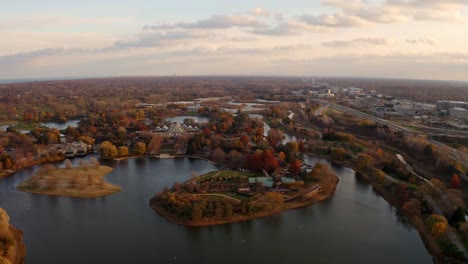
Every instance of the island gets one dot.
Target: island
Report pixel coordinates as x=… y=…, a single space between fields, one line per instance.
x=12 y=249
x=84 y=181
x=221 y=197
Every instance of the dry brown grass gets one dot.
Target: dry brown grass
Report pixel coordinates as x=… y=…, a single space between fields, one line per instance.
x=82 y=181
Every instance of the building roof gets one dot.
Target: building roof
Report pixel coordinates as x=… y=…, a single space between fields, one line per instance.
x=175 y=128
x=287 y=180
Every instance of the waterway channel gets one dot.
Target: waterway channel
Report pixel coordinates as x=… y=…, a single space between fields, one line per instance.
x=355 y=226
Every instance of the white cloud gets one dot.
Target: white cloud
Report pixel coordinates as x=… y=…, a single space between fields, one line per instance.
x=422 y=40
x=214 y=22
x=358 y=42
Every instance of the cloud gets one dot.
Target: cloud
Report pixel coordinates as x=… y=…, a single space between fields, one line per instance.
x=334 y=20
x=450 y=66
x=288 y=28
x=214 y=22
x=422 y=40
x=16 y=21
x=157 y=38
x=356 y=13
x=358 y=42
x=24 y=56
x=260 y=12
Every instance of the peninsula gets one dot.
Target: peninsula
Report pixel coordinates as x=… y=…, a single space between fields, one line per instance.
x=231 y=196
x=85 y=181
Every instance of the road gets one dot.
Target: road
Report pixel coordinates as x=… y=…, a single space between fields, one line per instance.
x=451 y=235
x=454 y=154
x=365 y=115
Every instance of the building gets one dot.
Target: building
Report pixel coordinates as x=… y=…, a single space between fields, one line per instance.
x=446 y=105
x=353 y=91
x=458 y=113
x=405 y=109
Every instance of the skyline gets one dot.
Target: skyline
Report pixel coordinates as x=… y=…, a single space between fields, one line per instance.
x=416 y=39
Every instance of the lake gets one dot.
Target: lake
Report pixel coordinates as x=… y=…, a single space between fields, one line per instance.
x=355 y=225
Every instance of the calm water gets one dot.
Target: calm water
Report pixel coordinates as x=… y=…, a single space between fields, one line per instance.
x=355 y=225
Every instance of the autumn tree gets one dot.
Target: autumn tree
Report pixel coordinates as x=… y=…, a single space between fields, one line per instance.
x=218 y=155
x=154 y=145
x=413 y=206
x=455 y=182
x=378 y=175
x=235 y=159
x=364 y=162
x=275 y=136
x=140 y=148
x=8 y=164
x=123 y=151
x=108 y=150
x=338 y=153
x=87 y=140
x=197 y=213
x=437 y=224
x=295 y=167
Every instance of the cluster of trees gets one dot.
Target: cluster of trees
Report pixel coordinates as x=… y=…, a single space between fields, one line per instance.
x=107 y=150
x=190 y=207
x=6 y=237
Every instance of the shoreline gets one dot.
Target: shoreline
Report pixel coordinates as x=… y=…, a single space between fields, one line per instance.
x=20 y=252
x=417 y=222
x=242 y=218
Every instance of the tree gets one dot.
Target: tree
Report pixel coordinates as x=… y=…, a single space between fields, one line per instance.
x=455 y=182
x=197 y=213
x=108 y=150
x=87 y=140
x=8 y=163
x=413 y=206
x=281 y=156
x=218 y=155
x=295 y=167
x=457 y=217
x=154 y=145
x=364 y=161
x=378 y=175
x=437 y=224
x=228 y=210
x=123 y=151
x=290 y=149
x=269 y=162
x=140 y=148
x=275 y=136
x=338 y=153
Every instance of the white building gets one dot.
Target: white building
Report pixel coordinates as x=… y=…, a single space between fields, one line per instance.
x=458 y=113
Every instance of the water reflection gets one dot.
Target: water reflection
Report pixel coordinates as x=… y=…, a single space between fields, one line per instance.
x=122 y=228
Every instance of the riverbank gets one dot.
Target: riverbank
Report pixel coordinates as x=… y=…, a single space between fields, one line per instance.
x=18 y=248
x=428 y=239
x=12 y=249
x=302 y=200
x=79 y=182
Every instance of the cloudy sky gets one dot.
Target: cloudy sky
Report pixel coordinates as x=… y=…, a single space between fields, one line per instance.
x=424 y=39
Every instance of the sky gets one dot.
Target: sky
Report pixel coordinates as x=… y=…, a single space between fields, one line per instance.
x=417 y=39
